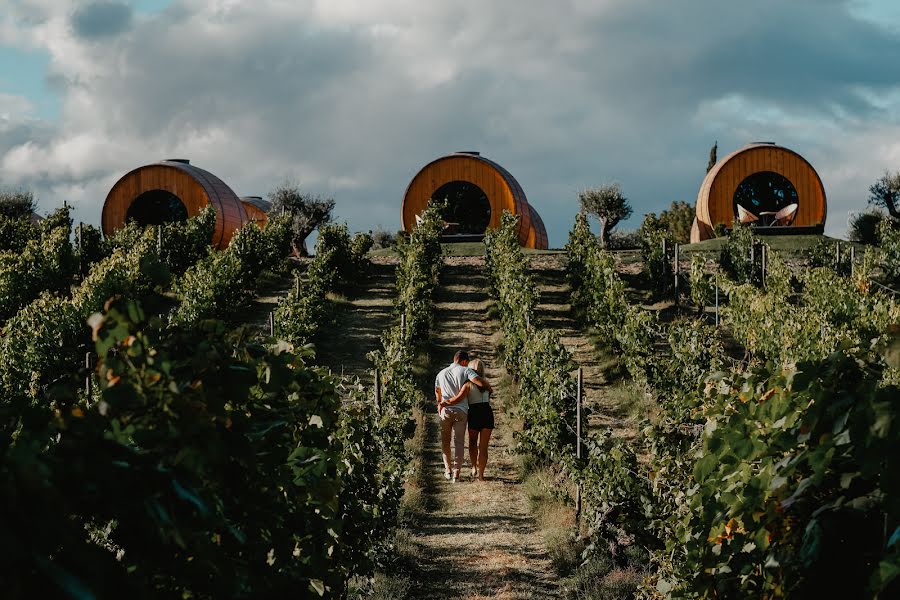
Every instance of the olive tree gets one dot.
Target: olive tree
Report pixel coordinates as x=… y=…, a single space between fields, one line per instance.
x=17 y=204
x=308 y=211
x=885 y=193
x=607 y=203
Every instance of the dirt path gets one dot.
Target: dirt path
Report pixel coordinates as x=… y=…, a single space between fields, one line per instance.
x=360 y=320
x=478 y=540
x=555 y=312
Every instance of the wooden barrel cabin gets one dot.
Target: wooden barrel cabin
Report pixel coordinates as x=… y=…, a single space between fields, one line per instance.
x=770 y=187
x=477 y=191
x=173 y=190
x=257 y=209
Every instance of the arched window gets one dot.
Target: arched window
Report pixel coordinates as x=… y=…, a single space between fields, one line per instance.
x=467 y=204
x=763 y=194
x=156 y=207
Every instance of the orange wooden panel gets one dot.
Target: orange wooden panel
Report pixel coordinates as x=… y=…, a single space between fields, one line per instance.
x=195 y=187
x=716 y=196
x=500 y=187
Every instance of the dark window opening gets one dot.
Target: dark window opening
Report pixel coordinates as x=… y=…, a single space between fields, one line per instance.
x=467 y=205
x=156 y=207
x=763 y=195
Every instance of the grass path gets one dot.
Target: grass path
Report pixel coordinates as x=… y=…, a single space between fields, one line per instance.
x=360 y=320
x=477 y=540
x=554 y=311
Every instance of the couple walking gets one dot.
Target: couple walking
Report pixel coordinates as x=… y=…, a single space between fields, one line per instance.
x=463 y=397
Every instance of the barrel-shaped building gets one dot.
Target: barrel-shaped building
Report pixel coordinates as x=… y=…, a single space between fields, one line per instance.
x=477 y=191
x=768 y=186
x=173 y=190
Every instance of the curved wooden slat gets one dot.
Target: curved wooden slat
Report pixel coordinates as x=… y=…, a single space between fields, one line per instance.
x=257 y=209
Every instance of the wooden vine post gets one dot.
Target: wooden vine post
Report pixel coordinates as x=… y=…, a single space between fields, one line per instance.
x=377 y=391
x=675 y=270
x=88 y=380
x=578 y=401
x=717 y=299
x=272 y=323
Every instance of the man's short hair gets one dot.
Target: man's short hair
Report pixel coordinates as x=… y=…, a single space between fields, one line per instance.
x=460 y=356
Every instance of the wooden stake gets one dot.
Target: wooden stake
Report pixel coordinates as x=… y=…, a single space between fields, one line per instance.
x=272 y=323
x=717 y=299
x=578 y=401
x=675 y=269
x=377 y=391
x=88 y=380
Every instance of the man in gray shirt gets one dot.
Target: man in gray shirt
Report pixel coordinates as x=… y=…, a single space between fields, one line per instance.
x=454 y=412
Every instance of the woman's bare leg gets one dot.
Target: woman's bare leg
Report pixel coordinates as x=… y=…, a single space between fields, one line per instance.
x=483 y=442
x=473 y=450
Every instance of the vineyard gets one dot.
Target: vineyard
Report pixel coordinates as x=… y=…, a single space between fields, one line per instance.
x=158 y=442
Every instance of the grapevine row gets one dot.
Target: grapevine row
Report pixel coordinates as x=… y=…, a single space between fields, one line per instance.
x=785 y=481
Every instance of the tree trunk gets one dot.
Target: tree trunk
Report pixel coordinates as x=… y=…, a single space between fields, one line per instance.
x=891 y=206
x=604 y=234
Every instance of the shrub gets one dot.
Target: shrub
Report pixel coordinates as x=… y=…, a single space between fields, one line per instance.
x=184 y=243
x=735 y=257
x=702 y=284
x=46 y=263
x=864 y=226
x=656 y=249
x=889 y=250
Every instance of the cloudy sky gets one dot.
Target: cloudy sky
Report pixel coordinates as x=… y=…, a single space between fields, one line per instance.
x=351 y=97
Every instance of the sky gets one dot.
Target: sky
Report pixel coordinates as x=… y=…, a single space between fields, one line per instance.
x=350 y=99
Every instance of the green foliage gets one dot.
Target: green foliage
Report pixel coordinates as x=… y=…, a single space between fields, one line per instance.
x=788 y=492
x=889 y=251
x=215 y=464
x=702 y=284
x=44 y=343
x=305 y=212
x=17 y=204
x=795 y=480
x=15 y=234
x=830 y=253
x=656 y=251
x=220 y=285
x=46 y=263
x=608 y=205
x=675 y=220
x=513 y=288
x=91 y=247
x=735 y=257
x=864 y=226
x=597 y=291
x=184 y=243
x=885 y=193
x=340 y=262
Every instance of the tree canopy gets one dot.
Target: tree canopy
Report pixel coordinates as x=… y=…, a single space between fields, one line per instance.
x=676 y=221
x=885 y=193
x=308 y=211
x=17 y=204
x=608 y=204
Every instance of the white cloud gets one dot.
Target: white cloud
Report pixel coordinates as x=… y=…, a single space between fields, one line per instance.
x=352 y=98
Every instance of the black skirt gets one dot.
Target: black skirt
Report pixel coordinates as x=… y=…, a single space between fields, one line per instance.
x=481 y=416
